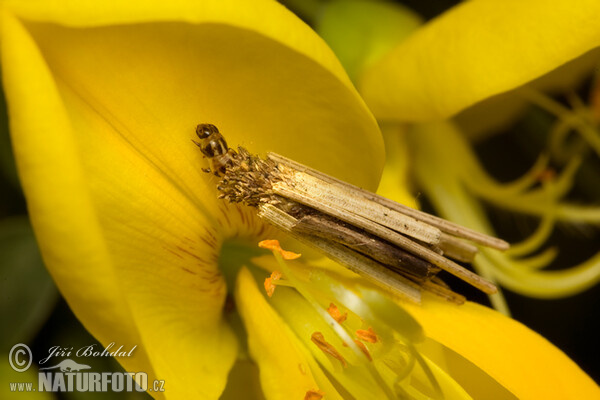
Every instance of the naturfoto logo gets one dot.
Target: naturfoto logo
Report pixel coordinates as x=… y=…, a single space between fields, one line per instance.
x=68 y=375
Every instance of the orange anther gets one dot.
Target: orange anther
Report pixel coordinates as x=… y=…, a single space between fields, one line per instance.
x=367 y=335
x=270 y=282
x=336 y=314
x=274 y=245
x=547 y=175
x=318 y=339
x=314 y=395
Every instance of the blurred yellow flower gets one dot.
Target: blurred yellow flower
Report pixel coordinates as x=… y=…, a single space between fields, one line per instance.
x=473 y=52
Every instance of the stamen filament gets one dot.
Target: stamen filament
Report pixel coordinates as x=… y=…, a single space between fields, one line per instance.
x=390 y=331
x=587 y=131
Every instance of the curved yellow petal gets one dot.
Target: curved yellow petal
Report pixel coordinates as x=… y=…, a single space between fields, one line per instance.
x=33 y=113
x=496 y=114
x=476 y=50
x=473 y=380
x=286 y=369
x=449 y=387
x=102 y=116
x=519 y=359
x=311 y=83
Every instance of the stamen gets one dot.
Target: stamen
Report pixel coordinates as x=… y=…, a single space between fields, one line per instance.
x=458 y=194
x=547 y=175
x=309 y=307
x=274 y=245
x=368 y=335
x=314 y=395
x=270 y=282
x=318 y=339
x=578 y=121
x=336 y=314
x=363 y=348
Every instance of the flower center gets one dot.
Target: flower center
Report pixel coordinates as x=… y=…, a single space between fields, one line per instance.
x=362 y=339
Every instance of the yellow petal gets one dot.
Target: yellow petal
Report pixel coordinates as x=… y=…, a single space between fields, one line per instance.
x=394 y=183
x=449 y=387
x=102 y=116
x=519 y=359
x=101 y=302
x=285 y=86
x=286 y=368
x=496 y=114
x=473 y=380
x=476 y=50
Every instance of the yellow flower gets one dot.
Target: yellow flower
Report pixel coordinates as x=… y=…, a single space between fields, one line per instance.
x=103 y=100
x=103 y=104
x=474 y=51
x=477 y=51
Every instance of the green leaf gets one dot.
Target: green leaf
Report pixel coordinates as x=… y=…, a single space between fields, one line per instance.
x=361 y=32
x=27 y=293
